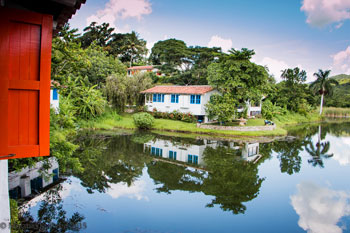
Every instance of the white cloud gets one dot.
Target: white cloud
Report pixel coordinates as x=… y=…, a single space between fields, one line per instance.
x=341 y=61
x=323 y=12
x=217 y=41
x=122 y=190
x=320 y=209
x=121 y=9
x=275 y=67
x=340 y=148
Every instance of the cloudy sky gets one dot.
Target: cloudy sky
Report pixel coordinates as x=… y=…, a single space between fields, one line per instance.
x=311 y=34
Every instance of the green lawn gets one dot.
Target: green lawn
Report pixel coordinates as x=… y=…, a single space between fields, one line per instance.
x=110 y=121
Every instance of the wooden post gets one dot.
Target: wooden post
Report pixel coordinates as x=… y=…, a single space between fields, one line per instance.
x=4 y=198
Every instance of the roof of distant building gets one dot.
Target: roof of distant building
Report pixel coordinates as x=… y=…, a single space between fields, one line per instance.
x=141 y=68
x=179 y=89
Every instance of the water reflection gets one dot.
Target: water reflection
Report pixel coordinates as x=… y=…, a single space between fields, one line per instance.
x=228 y=170
x=320 y=209
x=41 y=185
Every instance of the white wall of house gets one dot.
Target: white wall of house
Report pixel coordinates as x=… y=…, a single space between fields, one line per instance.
x=23 y=177
x=251 y=110
x=4 y=198
x=184 y=105
x=53 y=100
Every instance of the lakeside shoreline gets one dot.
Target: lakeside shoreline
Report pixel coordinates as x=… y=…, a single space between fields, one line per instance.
x=110 y=122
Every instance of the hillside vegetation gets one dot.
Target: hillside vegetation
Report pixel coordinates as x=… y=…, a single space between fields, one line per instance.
x=341 y=93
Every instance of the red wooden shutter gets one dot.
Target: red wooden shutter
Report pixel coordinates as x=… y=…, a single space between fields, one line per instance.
x=25 y=63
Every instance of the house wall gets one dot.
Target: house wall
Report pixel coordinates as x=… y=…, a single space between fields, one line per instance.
x=23 y=178
x=183 y=106
x=54 y=103
x=4 y=198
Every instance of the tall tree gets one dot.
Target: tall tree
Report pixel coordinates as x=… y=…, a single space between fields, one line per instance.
x=128 y=47
x=238 y=80
x=100 y=34
x=323 y=85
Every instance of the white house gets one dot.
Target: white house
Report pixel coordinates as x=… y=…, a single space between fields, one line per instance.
x=185 y=99
x=54 y=96
x=253 y=108
x=142 y=69
x=30 y=180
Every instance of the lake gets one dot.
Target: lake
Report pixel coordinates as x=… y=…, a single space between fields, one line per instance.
x=144 y=182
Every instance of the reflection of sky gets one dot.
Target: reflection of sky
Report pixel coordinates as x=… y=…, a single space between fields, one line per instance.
x=320 y=209
x=135 y=190
x=340 y=147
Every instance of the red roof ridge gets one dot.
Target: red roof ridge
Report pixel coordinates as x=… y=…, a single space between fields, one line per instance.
x=177 y=89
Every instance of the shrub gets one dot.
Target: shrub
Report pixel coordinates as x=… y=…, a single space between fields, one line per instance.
x=143 y=120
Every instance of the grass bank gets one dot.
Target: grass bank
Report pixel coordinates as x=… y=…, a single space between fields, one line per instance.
x=336 y=112
x=112 y=120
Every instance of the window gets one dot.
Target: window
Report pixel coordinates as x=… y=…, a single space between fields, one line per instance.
x=195 y=159
x=172 y=155
x=54 y=94
x=153 y=150
x=189 y=158
x=174 y=98
x=195 y=99
x=158 y=98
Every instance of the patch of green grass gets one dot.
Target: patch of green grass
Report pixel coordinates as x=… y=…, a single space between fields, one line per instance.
x=125 y=121
x=336 y=111
x=292 y=118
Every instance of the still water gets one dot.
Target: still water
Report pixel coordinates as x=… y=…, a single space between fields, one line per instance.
x=150 y=183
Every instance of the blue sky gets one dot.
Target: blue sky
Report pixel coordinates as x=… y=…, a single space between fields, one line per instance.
x=311 y=34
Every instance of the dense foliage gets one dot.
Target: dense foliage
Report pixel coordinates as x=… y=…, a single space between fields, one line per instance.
x=238 y=80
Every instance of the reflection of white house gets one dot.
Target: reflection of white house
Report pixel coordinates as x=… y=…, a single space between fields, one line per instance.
x=54 y=96
x=31 y=181
x=250 y=152
x=185 y=99
x=141 y=69
x=193 y=154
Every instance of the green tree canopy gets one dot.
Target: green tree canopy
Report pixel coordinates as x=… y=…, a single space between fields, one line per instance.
x=238 y=80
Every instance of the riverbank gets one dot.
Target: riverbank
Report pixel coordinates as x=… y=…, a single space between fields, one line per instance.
x=110 y=121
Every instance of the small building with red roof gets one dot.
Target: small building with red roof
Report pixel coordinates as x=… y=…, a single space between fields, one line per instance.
x=142 y=69
x=185 y=99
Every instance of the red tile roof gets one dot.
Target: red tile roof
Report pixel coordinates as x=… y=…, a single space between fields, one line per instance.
x=141 y=68
x=179 y=89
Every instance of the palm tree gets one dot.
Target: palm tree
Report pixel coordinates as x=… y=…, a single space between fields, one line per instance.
x=323 y=85
x=319 y=153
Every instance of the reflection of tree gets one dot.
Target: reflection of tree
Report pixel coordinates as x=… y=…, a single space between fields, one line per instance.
x=175 y=177
x=109 y=160
x=51 y=216
x=318 y=153
x=288 y=154
x=231 y=180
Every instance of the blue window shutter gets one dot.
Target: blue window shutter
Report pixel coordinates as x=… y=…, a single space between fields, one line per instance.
x=193 y=99
x=163 y=98
x=189 y=158
x=195 y=159
x=153 y=151
x=175 y=155
x=198 y=99
x=161 y=152
x=154 y=97
x=172 y=98
x=170 y=154
x=177 y=99
x=54 y=94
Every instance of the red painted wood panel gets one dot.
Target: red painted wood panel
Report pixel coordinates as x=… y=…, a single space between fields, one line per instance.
x=25 y=63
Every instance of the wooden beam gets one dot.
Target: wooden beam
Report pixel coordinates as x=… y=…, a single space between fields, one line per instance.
x=70 y=3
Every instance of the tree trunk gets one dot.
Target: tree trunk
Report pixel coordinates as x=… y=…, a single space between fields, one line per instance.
x=321 y=106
